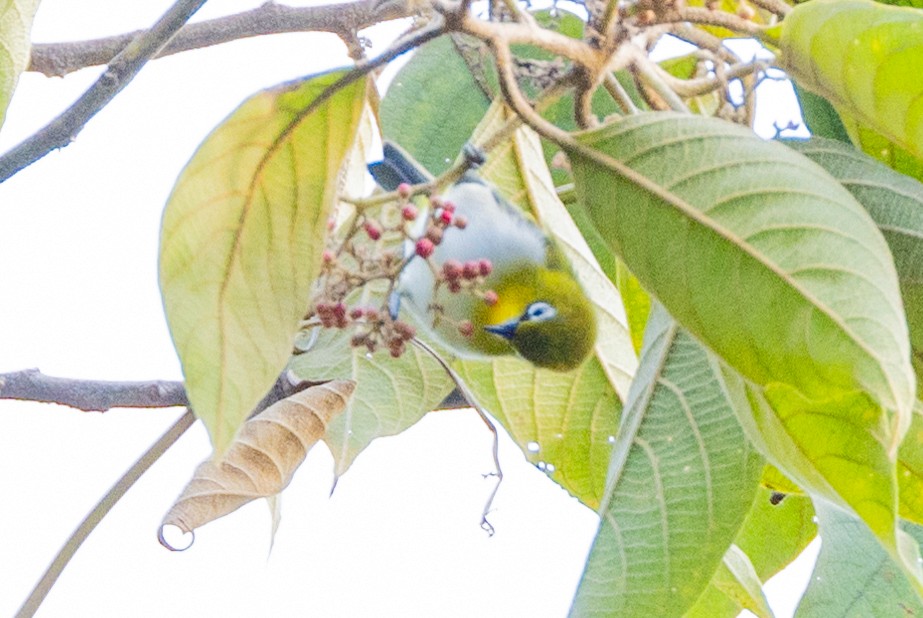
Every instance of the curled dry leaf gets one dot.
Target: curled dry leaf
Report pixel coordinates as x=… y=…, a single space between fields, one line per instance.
x=262 y=459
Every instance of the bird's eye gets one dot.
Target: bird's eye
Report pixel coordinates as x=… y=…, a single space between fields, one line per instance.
x=540 y=311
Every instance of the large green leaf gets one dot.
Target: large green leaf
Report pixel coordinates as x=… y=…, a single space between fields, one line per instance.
x=774 y=266
x=241 y=240
x=736 y=242
x=895 y=202
x=681 y=481
x=15 y=25
x=391 y=394
x=433 y=104
x=865 y=58
x=854 y=576
x=563 y=422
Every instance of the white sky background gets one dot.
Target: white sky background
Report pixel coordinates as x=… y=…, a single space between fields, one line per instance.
x=78 y=298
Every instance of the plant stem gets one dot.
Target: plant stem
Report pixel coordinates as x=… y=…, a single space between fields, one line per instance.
x=95 y=516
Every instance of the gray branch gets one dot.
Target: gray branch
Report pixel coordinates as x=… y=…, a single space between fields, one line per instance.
x=91 y=395
x=63 y=129
x=344 y=20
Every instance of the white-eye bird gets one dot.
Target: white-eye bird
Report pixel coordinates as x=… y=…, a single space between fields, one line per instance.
x=541 y=311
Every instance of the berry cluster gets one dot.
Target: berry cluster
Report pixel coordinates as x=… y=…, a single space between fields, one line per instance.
x=369 y=253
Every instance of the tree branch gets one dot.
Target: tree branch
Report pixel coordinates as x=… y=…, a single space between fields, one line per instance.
x=344 y=20
x=63 y=129
x=91 y=395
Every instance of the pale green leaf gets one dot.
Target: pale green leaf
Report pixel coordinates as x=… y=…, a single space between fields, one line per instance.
x=15 y=26
x=681 y=481
x=854 y=576
x=241 y=240
x=895 y=202
x=391 y=394
x=865 y=58
x=775 y=534
x=517 y=168
x=737 y=241
x=737 y=578
x=562 y=422
x=774 y=266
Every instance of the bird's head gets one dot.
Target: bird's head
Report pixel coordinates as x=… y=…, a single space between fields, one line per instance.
x=544 y=314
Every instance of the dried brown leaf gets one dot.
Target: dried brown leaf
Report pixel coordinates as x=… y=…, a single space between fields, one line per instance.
x=262 y=459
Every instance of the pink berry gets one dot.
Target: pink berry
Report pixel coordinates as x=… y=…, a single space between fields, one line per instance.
x=425 y=247
x=460 y=221
x=485 y=267
x=452 y=270
x=466 y=328
x=446 y=217
x=328 y=256
x=403 y=190
x=372 y=229
x=449 y=207
x=471 y=270
x=355 y=313
x=491 y=298
x=409 y=212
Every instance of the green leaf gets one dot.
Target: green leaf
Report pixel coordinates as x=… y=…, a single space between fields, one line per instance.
x=433 y=104
x=895 y=203
x=775 y=534
x=865 y=58
x=391 y=394
x=771 y=537
x=773 y=264
x=820 y=116
x=563 y=422
x=854 y=576
x=241 y=240
x=517 y=169
x=15 y=26
x=737 y=242
x=910 y=472
x=681 y=481
x=738 y=580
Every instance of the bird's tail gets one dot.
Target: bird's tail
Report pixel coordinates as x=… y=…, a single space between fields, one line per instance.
x=397 y=167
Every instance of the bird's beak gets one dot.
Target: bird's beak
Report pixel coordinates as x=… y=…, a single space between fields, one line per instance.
x=504 y=329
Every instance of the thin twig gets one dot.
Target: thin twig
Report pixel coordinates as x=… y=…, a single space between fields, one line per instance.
x=63 y=129
x=618 y=93
x=473 y=402
x=58 y=59
x=649 y=73
x=95 y=516
x=91 y=395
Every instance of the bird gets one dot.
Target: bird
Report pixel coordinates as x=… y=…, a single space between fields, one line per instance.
x=539 y=310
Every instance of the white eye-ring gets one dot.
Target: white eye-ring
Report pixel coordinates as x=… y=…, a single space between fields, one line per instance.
x=540 y=311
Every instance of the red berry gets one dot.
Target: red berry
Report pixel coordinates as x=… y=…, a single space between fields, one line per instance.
x=452 y=270
x=371 y=314
x=471 y=270
x=460 y=221
x=445 y=216
x=491 y=298
x=328 y=256
x=485 y=267
x=355 y=313
x=372 y=229
x=403 y=190
x=466 y=328
x=454 y=286
x=449 y=207
x=425 y=247
x=409 y=212
x=404 y=330
x=339 y=311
